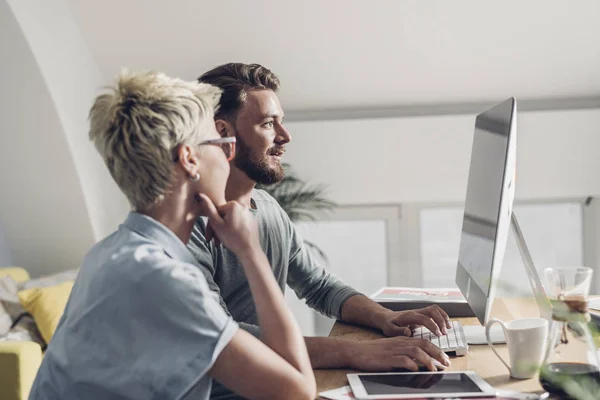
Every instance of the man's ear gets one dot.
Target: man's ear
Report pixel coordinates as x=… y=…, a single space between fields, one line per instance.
x=224 y=128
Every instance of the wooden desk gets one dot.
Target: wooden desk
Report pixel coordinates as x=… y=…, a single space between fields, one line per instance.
x=480 y=358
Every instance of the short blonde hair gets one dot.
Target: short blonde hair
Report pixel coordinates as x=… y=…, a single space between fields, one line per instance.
x=139 y=124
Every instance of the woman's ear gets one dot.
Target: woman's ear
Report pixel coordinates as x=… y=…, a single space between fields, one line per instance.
x=224 y=128
x=187 y=159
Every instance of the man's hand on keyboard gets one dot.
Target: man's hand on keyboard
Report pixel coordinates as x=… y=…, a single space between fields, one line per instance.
x=401 y=323
x=393 y=353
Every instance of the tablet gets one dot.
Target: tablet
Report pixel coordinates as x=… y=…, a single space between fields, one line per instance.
x=405 y=385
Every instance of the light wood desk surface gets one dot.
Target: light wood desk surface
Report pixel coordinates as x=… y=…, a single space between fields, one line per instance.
x=480 y=358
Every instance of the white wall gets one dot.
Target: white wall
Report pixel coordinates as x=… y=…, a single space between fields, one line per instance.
x=73 y=80
x=426 y=158
x=5 y=257
x=57 y=196
x=357 y=53
x=41 y=203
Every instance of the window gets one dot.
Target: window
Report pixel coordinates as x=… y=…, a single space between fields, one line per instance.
x=356 y=241
x=553 y=232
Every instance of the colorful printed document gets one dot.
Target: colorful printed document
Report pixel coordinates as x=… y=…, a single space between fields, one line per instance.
x=408 y=294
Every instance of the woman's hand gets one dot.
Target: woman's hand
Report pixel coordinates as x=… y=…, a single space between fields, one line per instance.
x=231 y=224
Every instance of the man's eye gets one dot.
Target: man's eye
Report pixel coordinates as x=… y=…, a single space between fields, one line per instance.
x=268 y=124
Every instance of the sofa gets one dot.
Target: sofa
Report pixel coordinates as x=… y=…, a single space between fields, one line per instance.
x=19 y=361
x=41 y=302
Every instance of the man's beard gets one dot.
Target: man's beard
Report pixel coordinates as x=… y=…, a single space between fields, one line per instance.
x=256 y=165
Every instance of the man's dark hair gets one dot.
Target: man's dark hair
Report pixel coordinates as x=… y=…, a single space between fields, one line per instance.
x=235 y=80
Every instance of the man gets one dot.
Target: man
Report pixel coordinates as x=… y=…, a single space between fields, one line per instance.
x=250 y=110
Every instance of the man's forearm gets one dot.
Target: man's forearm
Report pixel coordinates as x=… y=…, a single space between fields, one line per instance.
x=324 y=352
x=327 y=352
x=361 y=310
x=356 y=311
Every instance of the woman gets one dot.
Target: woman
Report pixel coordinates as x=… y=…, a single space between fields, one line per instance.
x=141 y=322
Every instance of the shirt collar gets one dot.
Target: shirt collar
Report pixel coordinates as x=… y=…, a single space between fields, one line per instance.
x=163 y=236
x=253 y=207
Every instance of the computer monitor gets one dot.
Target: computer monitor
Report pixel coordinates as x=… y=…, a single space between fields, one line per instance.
x=488 y=206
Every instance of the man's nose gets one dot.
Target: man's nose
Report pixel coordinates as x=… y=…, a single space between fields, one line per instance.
x=283 y=135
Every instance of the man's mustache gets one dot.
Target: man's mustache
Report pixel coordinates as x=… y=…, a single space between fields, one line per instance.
x=276 y=151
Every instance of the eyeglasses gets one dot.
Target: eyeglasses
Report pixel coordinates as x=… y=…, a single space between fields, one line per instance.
x=226 y=143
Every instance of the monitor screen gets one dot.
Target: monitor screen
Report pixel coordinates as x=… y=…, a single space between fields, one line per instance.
x=488 y=206
x=482 y=205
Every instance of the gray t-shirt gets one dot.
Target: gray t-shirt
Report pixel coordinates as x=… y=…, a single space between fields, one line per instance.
x=141 y=323
x=290 y=259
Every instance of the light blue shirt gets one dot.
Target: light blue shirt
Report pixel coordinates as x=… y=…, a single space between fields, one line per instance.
x=141 y=323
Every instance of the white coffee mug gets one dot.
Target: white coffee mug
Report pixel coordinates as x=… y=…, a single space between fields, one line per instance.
x=526 y=341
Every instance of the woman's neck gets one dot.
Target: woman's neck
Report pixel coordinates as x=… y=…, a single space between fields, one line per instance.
x=177 y=213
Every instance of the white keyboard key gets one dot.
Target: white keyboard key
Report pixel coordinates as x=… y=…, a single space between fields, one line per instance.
x=452 y=341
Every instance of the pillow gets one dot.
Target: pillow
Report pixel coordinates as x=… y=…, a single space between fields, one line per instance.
x=50 y=280
x=24 y=330
x=5 y=320
x=21 y=326
x=46 y=305
x=10 y=307
x=17 y=273
x=8 y=289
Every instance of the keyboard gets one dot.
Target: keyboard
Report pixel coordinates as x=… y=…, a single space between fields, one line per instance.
x=453 y=341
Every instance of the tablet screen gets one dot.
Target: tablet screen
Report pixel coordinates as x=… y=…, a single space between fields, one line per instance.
x=418 y=383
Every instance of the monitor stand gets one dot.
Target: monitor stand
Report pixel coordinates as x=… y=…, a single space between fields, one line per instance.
x=476 y=334
x=541 y=298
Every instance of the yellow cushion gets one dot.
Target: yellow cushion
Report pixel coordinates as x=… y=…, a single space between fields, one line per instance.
x=46 y=305
x=17 y=273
